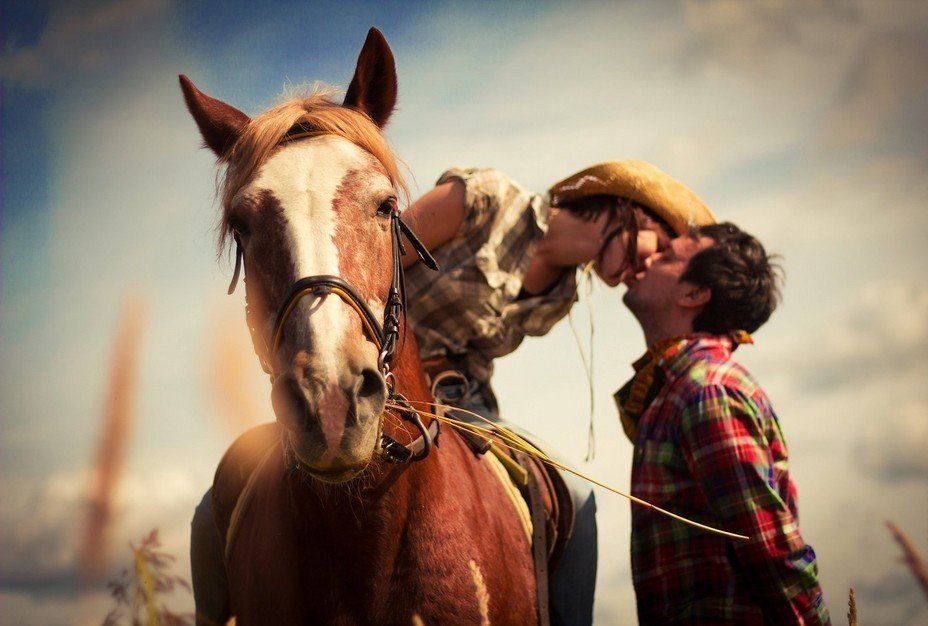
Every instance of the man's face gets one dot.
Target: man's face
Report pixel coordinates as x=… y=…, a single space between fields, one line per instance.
x=657 y=287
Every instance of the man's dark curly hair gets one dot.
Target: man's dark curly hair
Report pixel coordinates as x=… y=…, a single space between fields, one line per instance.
x=743 y=279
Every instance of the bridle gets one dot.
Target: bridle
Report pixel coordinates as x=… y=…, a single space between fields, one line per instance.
x=384 y=335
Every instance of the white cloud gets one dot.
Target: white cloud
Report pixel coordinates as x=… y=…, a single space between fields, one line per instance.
x=875 y=333
x=883 y=98
x=22 y=609
x=892 y=446
x=79 y=37
x=708 y=98
x=131 y=200
x=43 y=519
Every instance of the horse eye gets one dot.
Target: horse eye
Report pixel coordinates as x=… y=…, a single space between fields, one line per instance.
x=387 y=207
x=238 y=227
x=239 y=233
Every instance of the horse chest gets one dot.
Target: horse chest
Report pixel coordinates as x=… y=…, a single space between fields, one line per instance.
x=348 y=563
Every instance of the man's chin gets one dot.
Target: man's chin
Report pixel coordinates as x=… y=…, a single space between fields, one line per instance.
x=628 y=298
x=611 y=280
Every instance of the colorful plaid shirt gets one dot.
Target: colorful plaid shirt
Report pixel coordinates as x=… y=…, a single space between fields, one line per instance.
x=470 y=311
x=709 y=447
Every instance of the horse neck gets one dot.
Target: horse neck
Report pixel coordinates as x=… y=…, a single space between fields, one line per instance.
x=409 y=371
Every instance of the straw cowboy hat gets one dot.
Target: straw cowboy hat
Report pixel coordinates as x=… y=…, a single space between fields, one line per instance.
x=640 y=182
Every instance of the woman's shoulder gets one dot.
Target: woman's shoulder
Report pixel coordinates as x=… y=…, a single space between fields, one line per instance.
x=488 y=179
x=488 y=191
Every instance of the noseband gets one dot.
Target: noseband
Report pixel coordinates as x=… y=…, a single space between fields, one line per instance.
x=384 y=335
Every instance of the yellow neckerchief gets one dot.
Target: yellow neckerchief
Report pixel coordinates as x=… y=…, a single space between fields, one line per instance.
x=637 y=394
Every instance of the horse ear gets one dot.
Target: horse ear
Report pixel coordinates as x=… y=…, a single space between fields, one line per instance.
x=373 y=87
x=220 y=124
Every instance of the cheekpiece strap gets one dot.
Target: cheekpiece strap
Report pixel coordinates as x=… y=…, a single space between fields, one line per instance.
x=239 y=256
x=420 y=248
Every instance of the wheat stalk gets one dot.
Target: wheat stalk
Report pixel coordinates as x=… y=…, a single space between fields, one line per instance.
x=113 y=440
x=911 y=556
x=851 y=608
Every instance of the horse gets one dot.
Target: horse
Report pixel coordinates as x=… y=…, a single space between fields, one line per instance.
x=351 y=512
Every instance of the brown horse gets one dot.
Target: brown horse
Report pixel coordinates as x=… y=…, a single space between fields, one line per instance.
x=342 y=516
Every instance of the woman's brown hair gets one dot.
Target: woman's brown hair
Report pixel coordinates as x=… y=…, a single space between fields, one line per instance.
x=624 y=215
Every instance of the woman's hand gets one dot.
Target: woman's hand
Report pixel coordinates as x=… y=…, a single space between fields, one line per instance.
x=569 y=241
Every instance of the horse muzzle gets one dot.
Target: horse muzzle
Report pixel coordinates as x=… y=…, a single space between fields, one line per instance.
x=333 y=427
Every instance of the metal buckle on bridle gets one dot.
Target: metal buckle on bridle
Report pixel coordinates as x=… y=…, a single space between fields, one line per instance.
x=395 y=452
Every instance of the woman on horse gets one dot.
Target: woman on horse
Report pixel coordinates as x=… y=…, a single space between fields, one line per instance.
x=508 y=261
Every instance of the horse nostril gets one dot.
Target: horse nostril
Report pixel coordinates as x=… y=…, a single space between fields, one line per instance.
x=288 y=401
x=372 y=384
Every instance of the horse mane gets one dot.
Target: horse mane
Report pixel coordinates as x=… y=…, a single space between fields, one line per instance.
x=264 y=133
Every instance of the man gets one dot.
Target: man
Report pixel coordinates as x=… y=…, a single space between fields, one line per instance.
x=708 y=445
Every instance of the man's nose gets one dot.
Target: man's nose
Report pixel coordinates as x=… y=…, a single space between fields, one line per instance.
x=648 y=261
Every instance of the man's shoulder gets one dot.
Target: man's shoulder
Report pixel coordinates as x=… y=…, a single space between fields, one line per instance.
x=706 y=371
x=719 y=371
x=715 y=389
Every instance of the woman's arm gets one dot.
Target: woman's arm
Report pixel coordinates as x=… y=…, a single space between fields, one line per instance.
x=435 y=217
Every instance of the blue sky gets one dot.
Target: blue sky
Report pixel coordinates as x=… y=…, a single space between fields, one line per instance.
x=805 y=123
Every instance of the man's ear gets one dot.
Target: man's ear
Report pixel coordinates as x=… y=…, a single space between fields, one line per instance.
x=694 y=296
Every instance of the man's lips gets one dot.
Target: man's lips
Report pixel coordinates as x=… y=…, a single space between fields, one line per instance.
x=631 y=281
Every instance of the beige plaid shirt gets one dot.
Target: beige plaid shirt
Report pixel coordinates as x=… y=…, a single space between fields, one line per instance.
x=469 y=310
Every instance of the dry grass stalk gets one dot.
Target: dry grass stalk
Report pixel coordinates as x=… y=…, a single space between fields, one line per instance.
x=911 y=556
x=505 y=438
x=116 y=425
x=852 y=608
x=483 y=596
x=141 y=590
x=416 y=620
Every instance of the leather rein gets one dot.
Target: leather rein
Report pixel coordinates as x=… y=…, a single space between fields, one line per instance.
x=383 y=334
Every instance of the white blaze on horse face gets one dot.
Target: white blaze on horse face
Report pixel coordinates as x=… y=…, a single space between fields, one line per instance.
x=305 y=177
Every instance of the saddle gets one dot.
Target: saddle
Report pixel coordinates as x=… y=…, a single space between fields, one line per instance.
x=542 y=486
x=550 y=509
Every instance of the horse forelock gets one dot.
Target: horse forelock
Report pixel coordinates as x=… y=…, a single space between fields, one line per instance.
x=264 y=134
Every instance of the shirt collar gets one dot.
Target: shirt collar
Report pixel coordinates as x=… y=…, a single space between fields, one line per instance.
x=677 y=357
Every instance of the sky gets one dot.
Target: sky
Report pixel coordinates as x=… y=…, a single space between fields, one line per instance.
x=804 y=122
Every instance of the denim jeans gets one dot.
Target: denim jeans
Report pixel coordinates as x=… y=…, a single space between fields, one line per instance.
x=208 y=569
x=572 y=586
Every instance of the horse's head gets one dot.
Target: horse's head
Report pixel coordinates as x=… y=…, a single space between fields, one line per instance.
x=310 y=191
